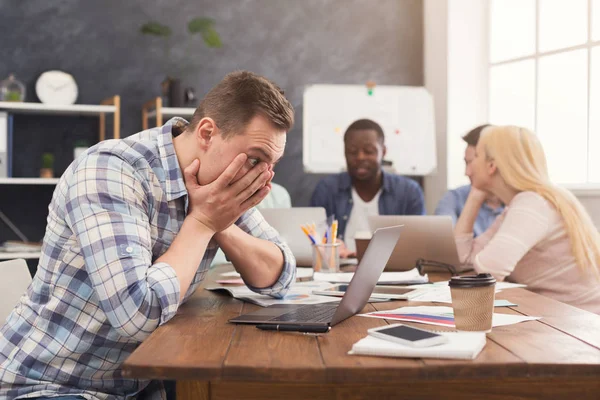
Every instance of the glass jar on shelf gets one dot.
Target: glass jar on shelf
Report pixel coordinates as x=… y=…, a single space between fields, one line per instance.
x=11 y=89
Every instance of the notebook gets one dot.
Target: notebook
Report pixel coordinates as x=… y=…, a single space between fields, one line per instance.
x=460 y=346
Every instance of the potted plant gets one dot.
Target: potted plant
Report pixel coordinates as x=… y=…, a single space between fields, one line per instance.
x=172 y=91
x=47 y=170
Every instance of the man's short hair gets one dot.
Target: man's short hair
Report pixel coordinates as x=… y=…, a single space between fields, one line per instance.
x=472 y=137
x=238 y=98
x=364 y=125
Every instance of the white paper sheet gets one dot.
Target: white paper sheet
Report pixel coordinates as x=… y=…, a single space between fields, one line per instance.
x=439 y=292
x=300 y=273
x=299 y=293
x=441 y=316
x=386 y=278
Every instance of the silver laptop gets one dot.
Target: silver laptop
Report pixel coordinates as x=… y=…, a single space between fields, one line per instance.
x=287 y=222
x=428 y=237
x=357 y=294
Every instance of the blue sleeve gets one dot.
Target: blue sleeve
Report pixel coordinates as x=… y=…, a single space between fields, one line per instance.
x=415 y=200
x=448 y=206
x=321 y=197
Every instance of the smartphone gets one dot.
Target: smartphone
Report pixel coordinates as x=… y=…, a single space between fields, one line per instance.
x=379 y=292
x=408 y=336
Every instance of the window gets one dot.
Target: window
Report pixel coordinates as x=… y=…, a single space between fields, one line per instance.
x=544 y=74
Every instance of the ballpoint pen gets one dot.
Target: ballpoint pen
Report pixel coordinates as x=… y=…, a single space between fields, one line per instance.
x=294 y=328
x=313 y=239
x=308 y=234
x=334 y=228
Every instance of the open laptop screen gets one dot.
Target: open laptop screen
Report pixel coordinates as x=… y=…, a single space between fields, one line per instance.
x=287 y=222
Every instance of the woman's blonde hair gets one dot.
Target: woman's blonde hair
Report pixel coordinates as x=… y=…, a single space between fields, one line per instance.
x=521 y=162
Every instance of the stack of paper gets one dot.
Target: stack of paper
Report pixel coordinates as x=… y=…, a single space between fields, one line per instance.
x=301 y=273
x=460 y=345
x=441 y=316
x=299 y=293
x=387 y=278
x=439 y=292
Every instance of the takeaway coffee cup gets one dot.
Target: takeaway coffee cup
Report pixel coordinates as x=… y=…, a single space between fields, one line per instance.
x=362 y=240
x=473 y=302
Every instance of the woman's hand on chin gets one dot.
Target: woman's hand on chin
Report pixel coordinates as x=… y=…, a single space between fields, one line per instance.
x=478 y=194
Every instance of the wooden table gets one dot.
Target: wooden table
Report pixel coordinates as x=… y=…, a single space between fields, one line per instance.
x=557 y=357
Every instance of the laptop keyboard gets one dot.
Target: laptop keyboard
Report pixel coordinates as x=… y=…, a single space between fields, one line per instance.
x=312 y=313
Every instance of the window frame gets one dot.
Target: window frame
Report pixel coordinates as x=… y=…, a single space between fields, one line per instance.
x=589 y=188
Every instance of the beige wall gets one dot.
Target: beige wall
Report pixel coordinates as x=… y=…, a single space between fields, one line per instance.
x=592 y=205
x=435 y=50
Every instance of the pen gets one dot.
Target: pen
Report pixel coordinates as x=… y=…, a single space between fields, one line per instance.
x=294 y=328
x=334 y=228
x=313 y=229
x=308 y=234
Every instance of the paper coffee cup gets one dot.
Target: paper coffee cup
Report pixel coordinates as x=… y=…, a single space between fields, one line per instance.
x=362 y=239
x=473 y=302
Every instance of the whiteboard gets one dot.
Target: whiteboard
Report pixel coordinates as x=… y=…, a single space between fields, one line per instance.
x=405 y=114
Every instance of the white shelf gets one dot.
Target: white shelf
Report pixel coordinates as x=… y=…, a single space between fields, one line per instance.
x=39 y=108
x=10 y=256
x=28 y=181
x=173 y=112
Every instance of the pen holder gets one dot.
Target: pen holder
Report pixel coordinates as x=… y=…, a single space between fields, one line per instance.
x=326 y=257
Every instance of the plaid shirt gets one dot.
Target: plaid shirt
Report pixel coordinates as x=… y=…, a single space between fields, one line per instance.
x=98 y=292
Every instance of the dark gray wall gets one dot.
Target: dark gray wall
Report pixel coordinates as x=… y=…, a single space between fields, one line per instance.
x=292 y=42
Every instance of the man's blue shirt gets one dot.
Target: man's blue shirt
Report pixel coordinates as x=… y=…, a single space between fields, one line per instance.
x=399 y=196
x=453 y=203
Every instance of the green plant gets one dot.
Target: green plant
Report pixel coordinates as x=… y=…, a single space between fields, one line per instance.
x=81 y=143
x=13 y=95
x=205 y=27
x=155 y=29
x=48 y=160
x=200 y=25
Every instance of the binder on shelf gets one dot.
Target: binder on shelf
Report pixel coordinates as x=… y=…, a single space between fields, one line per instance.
x=4 y=145
x=9 y=147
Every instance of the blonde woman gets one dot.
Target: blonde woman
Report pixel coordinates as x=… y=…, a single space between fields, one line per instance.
x=544 y=238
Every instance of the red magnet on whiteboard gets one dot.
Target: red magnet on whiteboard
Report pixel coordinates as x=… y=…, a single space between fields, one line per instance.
x=397 y=131
x=370 y=87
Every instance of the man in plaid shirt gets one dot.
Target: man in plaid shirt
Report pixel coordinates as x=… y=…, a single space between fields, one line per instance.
x=132 y=228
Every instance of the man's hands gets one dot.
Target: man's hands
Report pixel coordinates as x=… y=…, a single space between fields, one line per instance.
x=220 y=203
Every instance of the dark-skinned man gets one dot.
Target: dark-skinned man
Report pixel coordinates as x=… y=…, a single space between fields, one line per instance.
x=365 y=189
